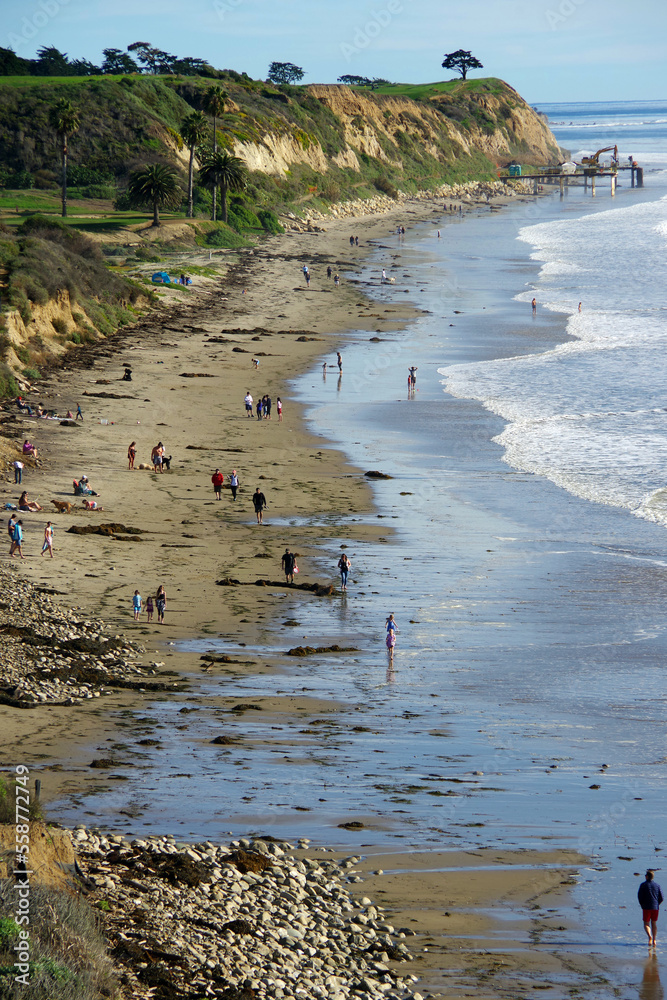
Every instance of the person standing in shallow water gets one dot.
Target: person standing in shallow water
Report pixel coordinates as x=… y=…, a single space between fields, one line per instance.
x=650 y=897
x=344 y=565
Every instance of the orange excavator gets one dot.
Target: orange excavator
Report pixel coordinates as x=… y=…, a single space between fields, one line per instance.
x=594 y=160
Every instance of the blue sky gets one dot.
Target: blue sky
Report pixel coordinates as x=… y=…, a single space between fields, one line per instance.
x=549 y=50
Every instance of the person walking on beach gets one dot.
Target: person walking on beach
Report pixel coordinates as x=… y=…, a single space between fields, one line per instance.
x=279 y=407
x=336 y=279
x=161 y=604
x=288 y=563
x=17 y=539
x=259 y=409
x=136 y=605
x=233 y=483
x=392 y=629
x=248 y=404
x=534 y=305
x=412 y=377
x=79 y=414
x=18 y=472
x=48 y=539
x=339 y=359
x=650 y=897
x=149 y=609
x=306 y=274
x=131 y=455
x=259 y=503
x=11 y=524
x=344 y=565
x=217 y=479
x=329 y=272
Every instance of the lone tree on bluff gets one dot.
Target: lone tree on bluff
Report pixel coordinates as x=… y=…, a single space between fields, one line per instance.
x=461 y=61
x=285 y=73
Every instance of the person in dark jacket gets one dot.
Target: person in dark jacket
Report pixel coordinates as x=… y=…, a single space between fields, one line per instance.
x=650 y=897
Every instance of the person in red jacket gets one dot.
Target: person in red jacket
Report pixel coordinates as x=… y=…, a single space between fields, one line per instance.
x=217 y=479
x=650 y=897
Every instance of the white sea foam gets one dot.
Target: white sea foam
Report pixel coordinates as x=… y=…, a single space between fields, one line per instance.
x=591 y=414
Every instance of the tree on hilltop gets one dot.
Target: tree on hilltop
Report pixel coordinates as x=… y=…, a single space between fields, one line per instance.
x=118 y=62
x=194 y=130
x=64 y=120
x=155 y=185
x=225 y=171
x=350 y=80
x=462 y=61
x=284 y=73
x=155 y=60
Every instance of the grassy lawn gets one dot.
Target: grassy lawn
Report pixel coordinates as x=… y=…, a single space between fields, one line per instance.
x=41 y=81
x=424 y=91
x=16 y=205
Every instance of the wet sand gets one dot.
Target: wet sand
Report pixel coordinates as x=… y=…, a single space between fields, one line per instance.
x=190 y=540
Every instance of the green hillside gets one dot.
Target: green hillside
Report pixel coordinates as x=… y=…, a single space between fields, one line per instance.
x=128 y=121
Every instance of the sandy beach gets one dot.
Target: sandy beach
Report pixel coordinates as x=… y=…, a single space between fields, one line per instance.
x=191 y=367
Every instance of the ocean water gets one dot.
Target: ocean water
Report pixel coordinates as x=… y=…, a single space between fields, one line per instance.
x=591 y=414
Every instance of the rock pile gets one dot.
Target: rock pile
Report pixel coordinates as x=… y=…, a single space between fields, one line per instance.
x=244 y=921
x=469 y=192
x=57 y=656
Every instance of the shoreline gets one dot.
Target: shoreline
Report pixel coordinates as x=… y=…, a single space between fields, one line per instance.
x=337 y=479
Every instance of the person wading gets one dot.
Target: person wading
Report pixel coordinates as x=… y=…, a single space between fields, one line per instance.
x=650 y=897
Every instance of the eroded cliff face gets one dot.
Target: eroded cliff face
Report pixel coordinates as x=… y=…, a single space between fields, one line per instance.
x=498 y=126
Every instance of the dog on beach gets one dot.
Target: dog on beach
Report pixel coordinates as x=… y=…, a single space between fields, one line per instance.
x=62 y=506
x=167 y=462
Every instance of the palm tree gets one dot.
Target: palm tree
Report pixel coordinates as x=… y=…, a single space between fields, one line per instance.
x=214 y=103
x=223 y=170
x=64 y=119
x=155 y=185
x=193 y=130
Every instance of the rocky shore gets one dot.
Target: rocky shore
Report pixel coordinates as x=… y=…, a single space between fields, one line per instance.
x=470 y=193
x=50 y=654
x=238 y=922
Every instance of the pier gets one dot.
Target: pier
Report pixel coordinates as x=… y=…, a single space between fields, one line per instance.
x=585 y=177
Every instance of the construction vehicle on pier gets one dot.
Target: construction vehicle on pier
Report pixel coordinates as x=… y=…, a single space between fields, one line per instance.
x=594 y=160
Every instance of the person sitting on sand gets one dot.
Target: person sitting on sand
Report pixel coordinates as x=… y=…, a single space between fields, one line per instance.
x=82 y=488
x=28 y=505
x=69 y=415
x=29 y=449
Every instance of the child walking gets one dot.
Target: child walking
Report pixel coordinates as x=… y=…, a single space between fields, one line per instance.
x=149 y=609
x=136 y=604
